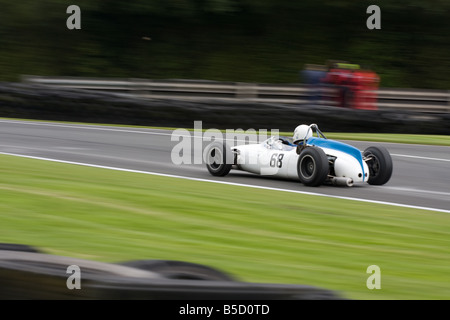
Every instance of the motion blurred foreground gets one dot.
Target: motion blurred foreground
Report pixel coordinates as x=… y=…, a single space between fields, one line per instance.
x=26 y=273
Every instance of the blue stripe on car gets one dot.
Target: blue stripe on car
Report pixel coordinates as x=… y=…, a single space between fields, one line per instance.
x=339 y=146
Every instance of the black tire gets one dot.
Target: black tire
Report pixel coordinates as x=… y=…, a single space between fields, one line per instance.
x=179 y=270
x=219 y=159
x=312 y=167
x=380 y=165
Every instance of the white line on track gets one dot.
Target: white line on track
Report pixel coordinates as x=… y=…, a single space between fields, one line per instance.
x=139 y=131
x=226 y=183
x=84 y=127
x=438 y=193
x=418 y=157
x=93 y=127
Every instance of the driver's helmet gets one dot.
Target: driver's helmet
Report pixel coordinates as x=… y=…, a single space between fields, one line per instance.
x=302 y=132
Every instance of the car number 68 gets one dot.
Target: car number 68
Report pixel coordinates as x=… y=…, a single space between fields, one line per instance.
x=277 y=160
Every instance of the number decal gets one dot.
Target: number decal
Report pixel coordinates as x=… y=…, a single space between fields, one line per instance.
x=280 y=158
x=277 y=160
x=273 y=160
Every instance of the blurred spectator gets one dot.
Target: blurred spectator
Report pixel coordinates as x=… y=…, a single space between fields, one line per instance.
x=312 y=75
x=365 y=88
x=351 y=86
x=350 y=83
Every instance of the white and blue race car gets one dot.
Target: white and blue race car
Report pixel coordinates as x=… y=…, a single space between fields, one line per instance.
x=312 y=159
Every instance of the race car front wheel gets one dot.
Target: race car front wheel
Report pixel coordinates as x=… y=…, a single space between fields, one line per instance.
x=218 y=158
x=380 y=165
x=312 y=167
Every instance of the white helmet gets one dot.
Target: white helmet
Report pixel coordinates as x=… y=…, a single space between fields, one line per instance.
x=302 y=132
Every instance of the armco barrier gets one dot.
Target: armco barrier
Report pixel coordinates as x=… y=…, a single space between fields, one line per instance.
x=427 y=101
x=36 y=101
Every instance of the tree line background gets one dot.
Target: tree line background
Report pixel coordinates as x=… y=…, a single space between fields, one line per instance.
x=226 y=40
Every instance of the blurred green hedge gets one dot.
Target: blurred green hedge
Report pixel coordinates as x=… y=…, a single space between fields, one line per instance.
x=228 y=40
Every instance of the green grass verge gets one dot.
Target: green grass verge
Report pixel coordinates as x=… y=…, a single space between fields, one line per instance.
x=256 y=235
x=441 y=140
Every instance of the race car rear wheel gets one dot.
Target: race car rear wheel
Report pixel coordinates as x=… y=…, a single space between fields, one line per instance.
x=218 y=158
x=380 y=165
x=312 y=167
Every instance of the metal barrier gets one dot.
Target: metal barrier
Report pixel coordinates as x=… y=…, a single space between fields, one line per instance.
x=427 y=101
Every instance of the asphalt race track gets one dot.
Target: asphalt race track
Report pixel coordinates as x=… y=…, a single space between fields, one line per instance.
x=420 y=178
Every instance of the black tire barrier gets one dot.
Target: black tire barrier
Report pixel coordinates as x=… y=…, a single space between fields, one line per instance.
x=40 y=276
x=31 y=101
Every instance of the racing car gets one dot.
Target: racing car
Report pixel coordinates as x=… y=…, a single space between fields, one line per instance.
x=308 y=157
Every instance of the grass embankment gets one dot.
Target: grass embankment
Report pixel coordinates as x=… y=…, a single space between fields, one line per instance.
x=256 y=235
